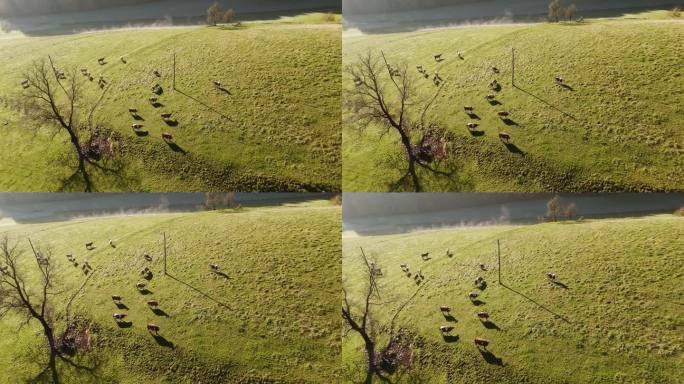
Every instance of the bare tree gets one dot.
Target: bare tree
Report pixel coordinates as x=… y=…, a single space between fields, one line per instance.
x=55 y=96
x=394 y=109
x=570 y=12
x=229 y=15
x=571 y=211
x=32 y=303
x=554 y=208
x=360 y=320
x=216 y=200
x=214 y=13
x=555 y=10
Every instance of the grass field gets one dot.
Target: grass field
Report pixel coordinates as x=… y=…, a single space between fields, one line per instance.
x=277 y=129
x=616 y=128
x=619 y=319
x=273 y=319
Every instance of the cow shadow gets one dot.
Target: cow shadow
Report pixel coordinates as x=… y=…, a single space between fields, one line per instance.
x=157 y=104
x=161 y=340
x=494 y=102
x=496 y=88
x=569 y=88
x=478 y=302
x=121 y=306
x=491 y=358
x=124 y=324
x=145 y=292
x=450 y=338
x=490 y=325
x=149 y=276
x=509 y=122
x=171 y=123
x=160 y=312
x=222 y=274
x=224 y=90
x=473 y=116
x=450 y=318
x=514 y=149
x=482 y=286
x=559 y=284
x=138 y=118
x=175 y=147
x=477 y=133
x=142 y=133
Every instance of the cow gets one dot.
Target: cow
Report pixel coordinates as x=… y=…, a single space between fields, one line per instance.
x=505 y=137
x=483 y=315
x=147 y=257
x=552 y=276
x=479 y=342
x=449 y=253
x=460 y=56
x=153 y=303
x=133 y=111
x=116 y=298
x=140 y=286
x=153 y=100
x=425 y=255
x=483 y=267
x=119 y=316
x=472 y=125
x=153 y=328
x=214 y=267
x=137 y=126
x=490 y=97
x=446 y=329
x=123 y=60
x=167 y=137
x=438 y=57
x=156 y=73
x=445 y=309
x=468 y=109
x=503 y=114
x=89 y=246
x=473 y=295
x=111 y=244
x=217 y=83
x=558 y=79
x=166 y=116
x=495 y=69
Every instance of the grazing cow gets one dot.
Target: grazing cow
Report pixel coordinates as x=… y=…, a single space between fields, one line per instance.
x=358 y=82
x=166 y=116
x=147 y=257
x=167 y=137
x=460 y=56
x=479 y=281
x=123 y=60
x=505 y=137
x=133 y=111
x=217 y=83
x=154 y=99
x=153 y=328
x=156 y=73
x=438 y=57
x=446 y=329
x=468 y=109
x=214 y=267
x=425 y=255
x=445 y=309
x=551 y=276
x=472 y=125
x=495 y=69
x=473 y=295
x=483 y=267
x=558 y=79
x=89 y=246
x=449 y=253
x=483 y=315
x=140 y=286
x=116 y=298
x=119 y=316
x=479 y=342
x=503 y=114
x=490 y=97
x=153 y=303
x=137 y=126
x=111 y=244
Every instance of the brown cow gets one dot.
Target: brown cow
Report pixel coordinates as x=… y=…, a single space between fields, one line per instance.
x=503 y=114
x=153 y=328
x=116 y=297
x=446 y=328
x=505 y=137
x=483 y=315
x=166 y=116
x=153 y=303
x=444 y=309
x=479 y=342
x=472 y=125
x=119 y=316
x=167 y=137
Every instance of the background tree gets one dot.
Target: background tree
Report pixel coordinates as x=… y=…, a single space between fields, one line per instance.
x=555 y=10
x=359 y=320
x=571 y=12
x=571 y=211
x=55 y=96
x=554 y=208
x=30 y=302
x=396 y=109
x=214 y=13
x=217 y=200
x=229 y=15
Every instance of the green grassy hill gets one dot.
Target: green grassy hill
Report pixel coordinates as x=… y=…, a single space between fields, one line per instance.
x=277 y=129
x=273 y=319
x=617 y=128
x=619 y=319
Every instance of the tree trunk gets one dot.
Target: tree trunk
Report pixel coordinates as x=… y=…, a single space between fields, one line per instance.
x=411 y=161
x=49 y=334
x=370 y=352
x=81 y=159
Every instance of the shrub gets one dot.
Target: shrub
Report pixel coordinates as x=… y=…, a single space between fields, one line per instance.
x=329 y=17
x=676 y=12
x=679 y=212
x=336 y=200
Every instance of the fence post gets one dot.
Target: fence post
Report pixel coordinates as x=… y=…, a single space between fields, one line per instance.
x=164 y=253
x=498 y=252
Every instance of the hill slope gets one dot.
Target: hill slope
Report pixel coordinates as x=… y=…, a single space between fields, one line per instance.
x=272 y=318
x=619 y=319
x=617 y=126
x=276 y=128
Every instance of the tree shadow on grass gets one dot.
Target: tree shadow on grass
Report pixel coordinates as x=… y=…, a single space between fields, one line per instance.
x=222 y=274
x=203 y=104
x=545 y=102
x=559 y=284
x=199 y=291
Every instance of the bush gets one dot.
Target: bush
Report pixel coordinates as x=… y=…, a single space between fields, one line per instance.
x=679 y=212
x=676 y=12
x=329 y=17
x=336 y=200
